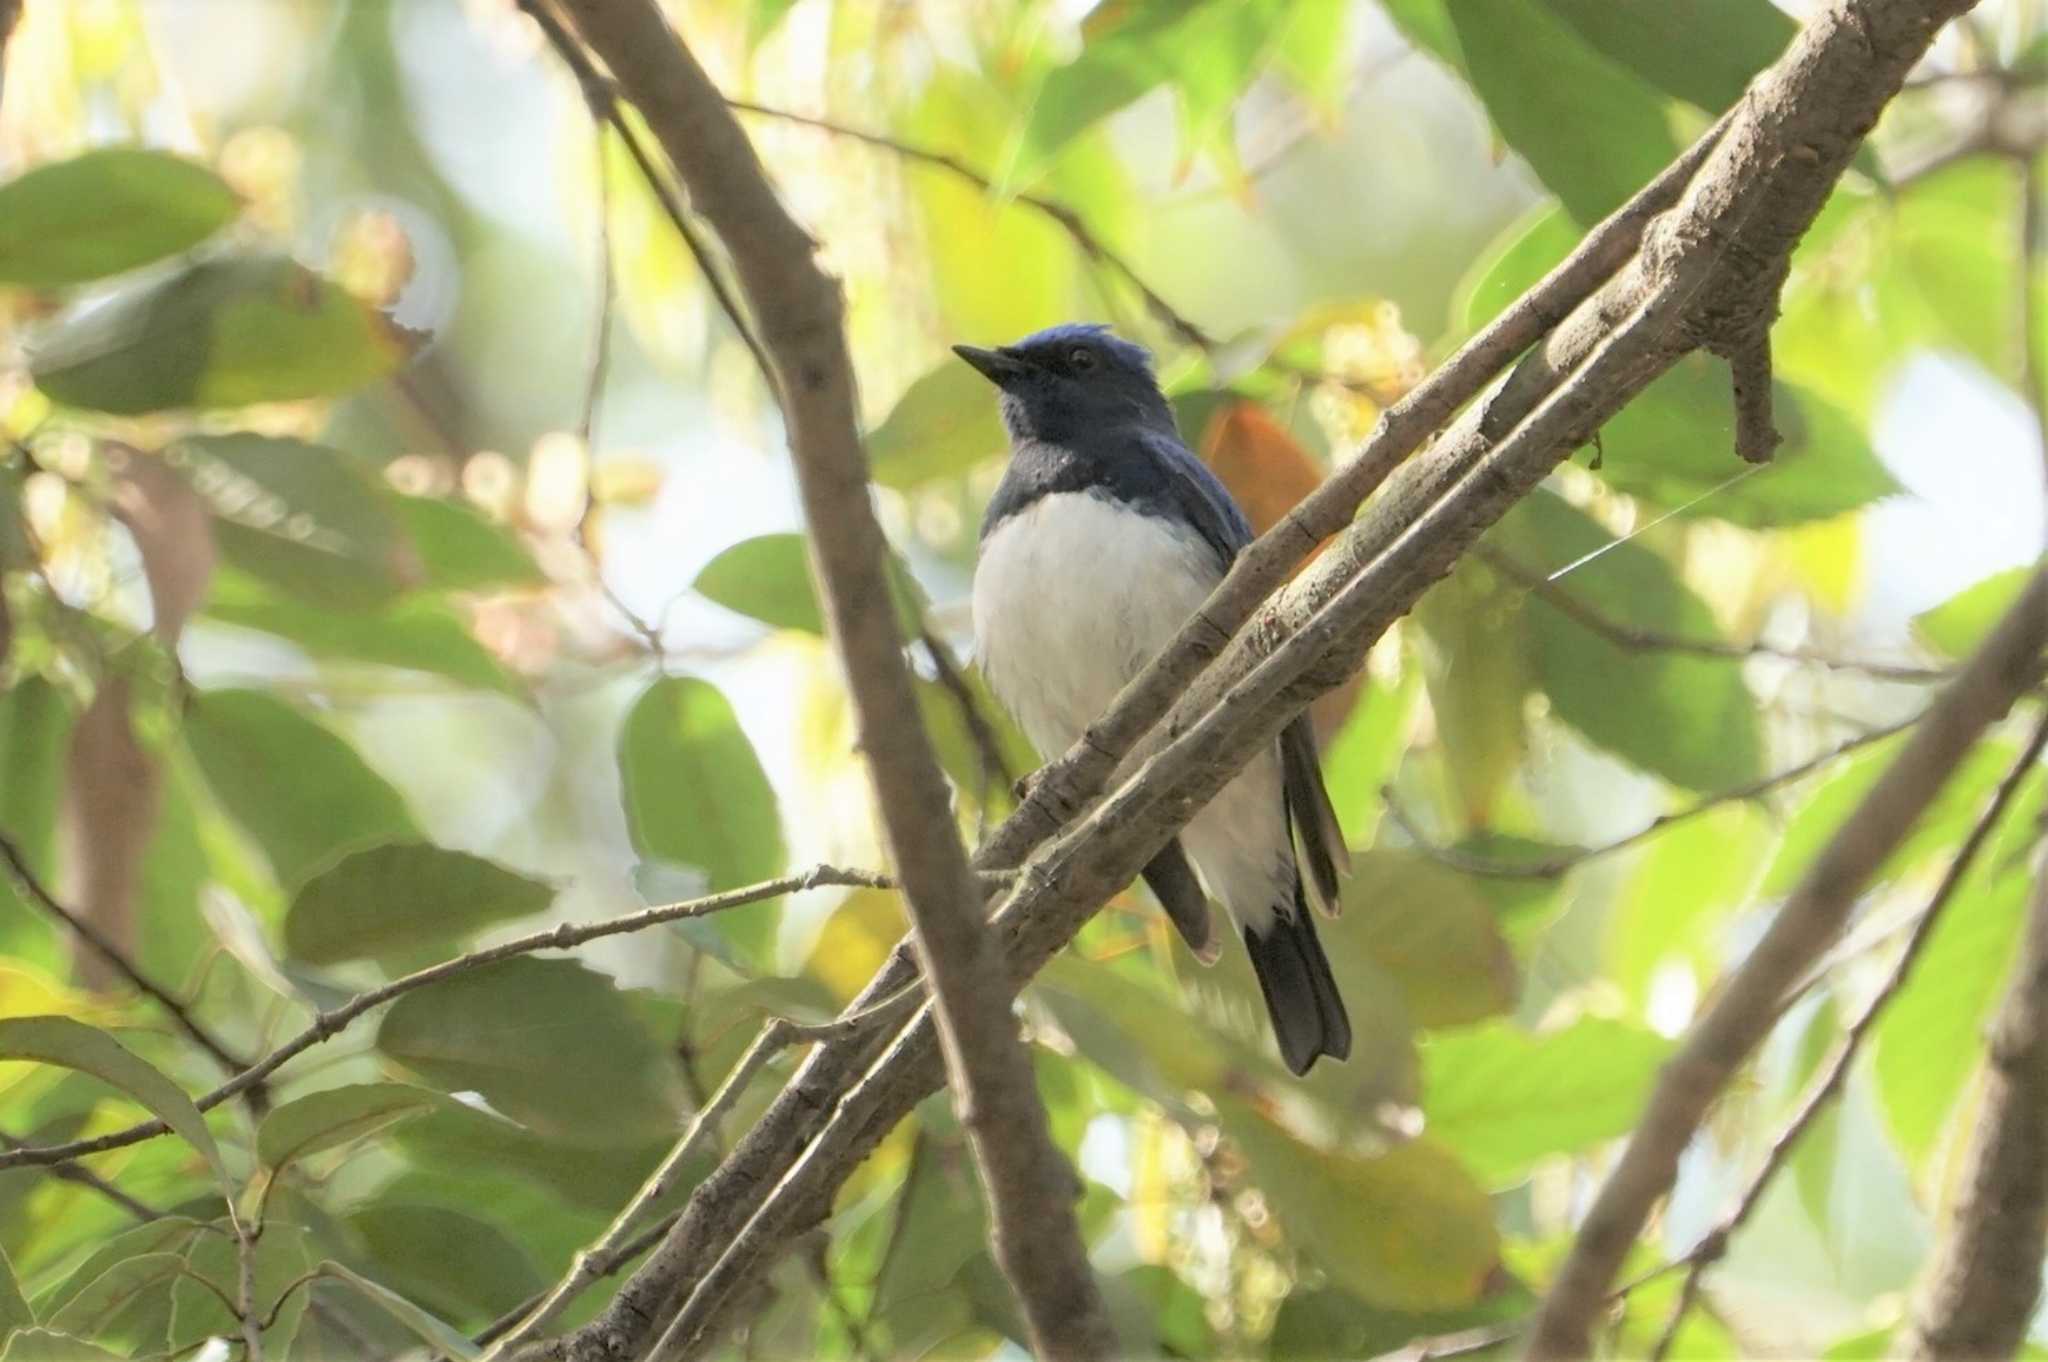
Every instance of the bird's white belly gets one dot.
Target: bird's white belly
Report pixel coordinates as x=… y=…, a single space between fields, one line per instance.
x=1072 y=597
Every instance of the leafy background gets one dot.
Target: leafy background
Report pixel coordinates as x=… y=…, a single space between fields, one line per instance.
x=362 y=605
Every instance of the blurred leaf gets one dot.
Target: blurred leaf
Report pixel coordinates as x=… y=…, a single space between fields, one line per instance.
x=168 y=1235
x=1688 y=878
x=1961 y=622
x=1931 y=1038
x=1592 y=131
x=128 y=1305
x=1427 y=24
x=1688 y=718
x=1947 y=266
x=918 y=1295
x=1479 y=667
x=74 y=1045
x=454 y=1138
x=460 y=549
x=299 y=790
x=416 y=1321
x=855 y=940
x=35 y=731
x=1939 y=829
x=414 y=633
x=1676 y=442
x=695 y=794
x=458 y=1265
x=768 y=578
x=284 y=1254
x=1702 y=51
x=762 y=18
x=1318 y=1323
x=43 y=1345
x=539 y=1039
x=1504 y=1098
x=303 y=518
x=1366 y=752
x=1316 y=50
x=944 y=424
x=337 y=1116
x=1156 y=1314
x=1206 y=50
x=14 y=1311
x=222 y=333
x=1265 y=468
x=1407 y=1229
x=401 y=897
x=104 y=212
x=1429 y=929
x=1526 y=249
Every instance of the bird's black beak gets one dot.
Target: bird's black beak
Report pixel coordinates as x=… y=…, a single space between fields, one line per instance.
x=997 y=366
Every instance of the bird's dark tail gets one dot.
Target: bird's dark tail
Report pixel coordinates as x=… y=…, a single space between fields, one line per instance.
x=1301 y=994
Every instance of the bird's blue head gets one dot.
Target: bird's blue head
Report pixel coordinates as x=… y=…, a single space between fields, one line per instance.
x=1071 y=380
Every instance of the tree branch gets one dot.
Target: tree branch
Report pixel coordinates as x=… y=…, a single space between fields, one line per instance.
x=33 y=889
x=1767 y=168
x=1828 y=1085
x=1031 y=1191
x=1747 y=1004
x=333 y=1022
x=1986 y=1276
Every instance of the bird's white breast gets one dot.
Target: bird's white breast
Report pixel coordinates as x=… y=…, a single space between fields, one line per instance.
x=1072 y=597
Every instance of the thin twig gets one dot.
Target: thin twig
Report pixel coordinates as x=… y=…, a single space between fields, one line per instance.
x=778 y=1035
x=330 y=1023
x=1551 y=867
x=1828 y=1084
x=995 y=767
x=603 y=1267
x=1623 y=635
x=599 y=93
x=32 y=888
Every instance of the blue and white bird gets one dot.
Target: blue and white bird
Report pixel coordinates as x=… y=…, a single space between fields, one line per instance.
x=1104 y=537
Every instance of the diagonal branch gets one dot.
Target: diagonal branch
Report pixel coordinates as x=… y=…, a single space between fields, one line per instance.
x=1986 y=1276
x=1714 y=1244
x=1746 y=1006
x=1031 y=1190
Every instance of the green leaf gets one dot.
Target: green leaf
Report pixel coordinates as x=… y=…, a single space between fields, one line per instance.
x=454 y=1139
x=1526 y=250
x=1938 y=831
x=461 y=549
x=222 y=333
x=14 y=1311
x=1450 y=960
x=42 y=1345
x=1207 y=50
x=1961 y=622
x=324 y=1120
x=695 y=794
x=1686 y=882
x=1688 y=718
x=550 y=1043
x=1406 y=1230
x=1156 y=1314
x=168 y=1235
x=299 y=790
x=128 y=1305
x=768 y=578
x=455 y=1263
x=1318 y=1323
x=1702 y=51
x=104 y=212
x=35 y=731
x=762 y=18
x=416 y=1321
x=1591 y=130
x=1931 y=1038
x=74 y=1045
x=1504 y=1098
x=401 y=897
x=1479 y=670
x=1427 y=24
x=303 y=518
x=944 y=424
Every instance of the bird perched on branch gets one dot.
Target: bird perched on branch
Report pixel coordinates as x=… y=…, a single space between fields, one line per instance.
x=1104 y=537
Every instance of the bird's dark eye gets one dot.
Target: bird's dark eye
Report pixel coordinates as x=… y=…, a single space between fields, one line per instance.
x=1081 y=357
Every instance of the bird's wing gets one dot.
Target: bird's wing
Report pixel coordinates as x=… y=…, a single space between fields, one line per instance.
x=1195 y=494
x=1315 y=819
